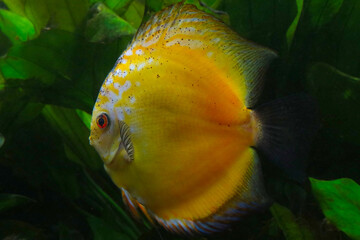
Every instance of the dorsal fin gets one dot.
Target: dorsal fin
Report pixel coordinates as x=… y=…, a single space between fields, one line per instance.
x=185 y=25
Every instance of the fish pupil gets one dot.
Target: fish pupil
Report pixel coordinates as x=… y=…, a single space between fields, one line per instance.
x=101 y=122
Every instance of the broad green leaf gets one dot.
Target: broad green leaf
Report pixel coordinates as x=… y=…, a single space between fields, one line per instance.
x=115 y=4
x=106 y=25
x=134 y=13
x=5 y=44
x=322 y=11
x=67 y=15
x=337 y=42
x=45 y=58
x=85 y=117
x=48 y=65
x=34 y=10
x=17 y=67
x=28 y=113
x=74 y=134
x=118 y=6
x=16 y=27
x=339 y=201
x=334 y=90
x=10 y=201
x=154 y=5
x=289 y=225
x=265 y=22
x=292 y=29
x=17 y=110
x=62 y=14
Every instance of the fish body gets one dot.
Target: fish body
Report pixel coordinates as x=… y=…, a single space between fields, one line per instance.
x=174 y=122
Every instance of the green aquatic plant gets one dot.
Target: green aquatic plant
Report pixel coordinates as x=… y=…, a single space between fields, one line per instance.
x=55 y=55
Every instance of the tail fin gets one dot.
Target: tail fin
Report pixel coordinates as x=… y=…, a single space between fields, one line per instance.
x=287 y=127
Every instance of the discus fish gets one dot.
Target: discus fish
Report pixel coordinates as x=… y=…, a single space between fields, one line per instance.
x=176 y=123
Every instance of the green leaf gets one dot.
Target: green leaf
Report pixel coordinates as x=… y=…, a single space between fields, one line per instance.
x=5 y=44
x=134 y=13
x=62 y=14
x=67 y=15
x=46 y=57
x=333 y=90
x=34 y=10
x=118 y=6
x=102 y=230
x=10 y=201
x=16 y=27
x=154 y=5
x=289 y=225
x=322 y=11
x=339 y=201
x=74 y=134
x=337 y=42
x=85 y=117
x=48 y=65
x=291 y=30
x=265 y=22
x=106 y=25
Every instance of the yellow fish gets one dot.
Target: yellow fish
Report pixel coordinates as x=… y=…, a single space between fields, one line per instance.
x=176 y=127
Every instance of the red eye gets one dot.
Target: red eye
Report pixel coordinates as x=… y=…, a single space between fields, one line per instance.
x=102 y=120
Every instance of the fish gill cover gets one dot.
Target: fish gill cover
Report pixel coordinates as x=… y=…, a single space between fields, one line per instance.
x=55 y=55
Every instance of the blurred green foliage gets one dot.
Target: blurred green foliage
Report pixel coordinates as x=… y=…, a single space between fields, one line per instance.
x=339 y=200
x=55 y=55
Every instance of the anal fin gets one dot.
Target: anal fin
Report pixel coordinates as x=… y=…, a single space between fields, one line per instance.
x=250 y=198
x=136 y=209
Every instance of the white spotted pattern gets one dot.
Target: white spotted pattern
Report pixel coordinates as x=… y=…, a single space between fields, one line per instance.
x=122 y=88
x=139 y=52
x=128 y=52
x=132 y=67
x=127 y=110
x=109 y=81
x=123 y=74
x=141 y=66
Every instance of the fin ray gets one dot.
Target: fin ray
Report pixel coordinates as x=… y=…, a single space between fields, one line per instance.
x=287 y=127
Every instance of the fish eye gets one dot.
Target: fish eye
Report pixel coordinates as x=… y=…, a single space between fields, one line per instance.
x=102 y=120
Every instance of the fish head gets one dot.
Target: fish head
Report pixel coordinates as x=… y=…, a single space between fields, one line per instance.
x=105 y=131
